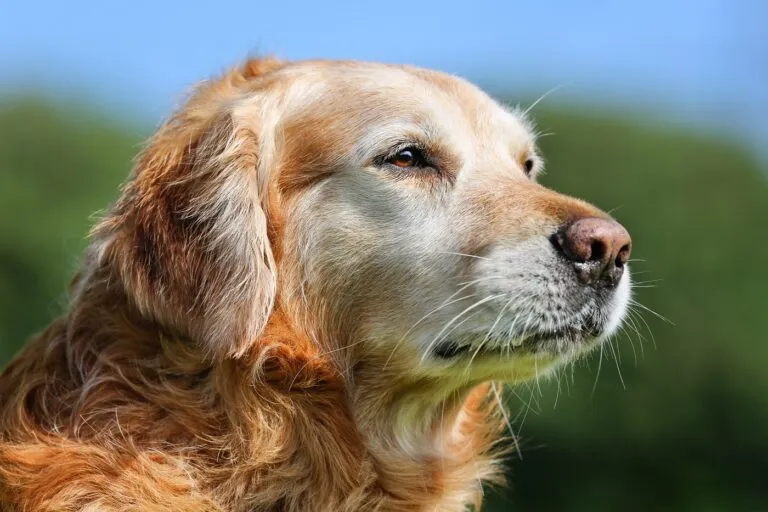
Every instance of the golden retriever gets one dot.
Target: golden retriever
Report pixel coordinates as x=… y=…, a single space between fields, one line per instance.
x=305 y=299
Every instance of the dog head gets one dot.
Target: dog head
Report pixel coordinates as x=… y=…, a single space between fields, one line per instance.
x=392 y=213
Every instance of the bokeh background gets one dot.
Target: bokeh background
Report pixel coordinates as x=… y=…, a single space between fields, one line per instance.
x=659 y=114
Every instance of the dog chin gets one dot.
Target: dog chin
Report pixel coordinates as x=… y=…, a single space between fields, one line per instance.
x=511 y=361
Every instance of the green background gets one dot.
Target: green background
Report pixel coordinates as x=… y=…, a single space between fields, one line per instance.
x=688 y=429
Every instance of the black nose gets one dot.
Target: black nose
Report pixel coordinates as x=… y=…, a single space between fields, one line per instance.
x=599 y=249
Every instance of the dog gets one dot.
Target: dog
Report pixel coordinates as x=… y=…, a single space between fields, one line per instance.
x=307 y=297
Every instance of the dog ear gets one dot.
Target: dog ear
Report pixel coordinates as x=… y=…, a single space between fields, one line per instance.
x=188 y=239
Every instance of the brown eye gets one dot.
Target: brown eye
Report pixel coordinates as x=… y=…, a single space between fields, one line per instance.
x=408 y=157
x=528 y=166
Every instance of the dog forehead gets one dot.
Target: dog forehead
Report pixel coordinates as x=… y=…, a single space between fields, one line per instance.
x=395 y=91
x=374 y=94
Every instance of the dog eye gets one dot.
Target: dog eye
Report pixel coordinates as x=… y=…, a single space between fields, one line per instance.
x=408 y=157
x=528 y=164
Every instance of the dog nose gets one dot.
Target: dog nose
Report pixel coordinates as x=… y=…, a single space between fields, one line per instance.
x=599 y=249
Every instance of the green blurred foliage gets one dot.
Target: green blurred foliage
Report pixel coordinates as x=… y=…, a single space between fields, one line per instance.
x=57 y=167
x=688 y=427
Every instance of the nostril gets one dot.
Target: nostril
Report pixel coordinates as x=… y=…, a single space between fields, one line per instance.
x=596 y=251
x=623 y=256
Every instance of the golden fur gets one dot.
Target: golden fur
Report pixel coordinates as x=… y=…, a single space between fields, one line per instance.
x=215 y=356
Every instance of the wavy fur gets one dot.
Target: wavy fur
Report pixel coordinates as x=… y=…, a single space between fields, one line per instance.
x=212 y=358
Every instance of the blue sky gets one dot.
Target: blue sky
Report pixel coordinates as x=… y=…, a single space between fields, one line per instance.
x=696 y=61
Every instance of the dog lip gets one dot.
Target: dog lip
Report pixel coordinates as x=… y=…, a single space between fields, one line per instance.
x=450 y=349
x=572 y=333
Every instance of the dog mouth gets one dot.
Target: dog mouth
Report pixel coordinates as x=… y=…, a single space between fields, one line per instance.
x=544 y=340
x=557 y=326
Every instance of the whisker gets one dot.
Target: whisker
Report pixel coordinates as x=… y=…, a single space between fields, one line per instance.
x=528 y=409
x=631 y=344
x=470 y=308
x=536 y=375
x=552 y=90
x=504 y=414
x=631 y=324
x=522 y=402
x=557 y=395
x=654 y=313
x=597 y=376
x=477 y=351
x=447 y=302
x=640 y=317
x=441 y=306
x=464 y=254
x=646 y=282
x=499 y=316
x=618 y=368
x=618 y=349
x=468 y=317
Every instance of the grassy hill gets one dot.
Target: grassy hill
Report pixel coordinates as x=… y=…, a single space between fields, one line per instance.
x=687 y=433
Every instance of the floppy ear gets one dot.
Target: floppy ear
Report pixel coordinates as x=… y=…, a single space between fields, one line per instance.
x=188 y=238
